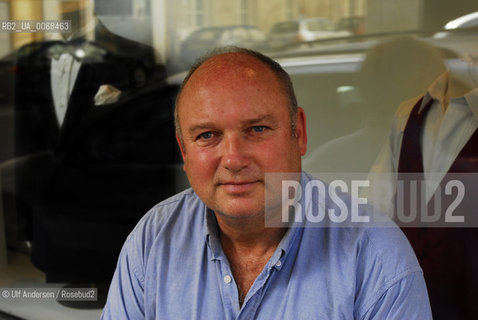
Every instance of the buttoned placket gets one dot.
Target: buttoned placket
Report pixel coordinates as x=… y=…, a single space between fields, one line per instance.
x=229 y=289
x=228 y=286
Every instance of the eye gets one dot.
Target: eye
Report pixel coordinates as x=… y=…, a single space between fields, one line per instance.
x=259 y=128
x=205 y=136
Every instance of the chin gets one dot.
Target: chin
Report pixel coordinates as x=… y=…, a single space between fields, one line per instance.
x=240 y=211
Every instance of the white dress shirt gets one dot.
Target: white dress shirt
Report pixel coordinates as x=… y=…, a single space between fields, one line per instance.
x=449 y=124
x=64 y=72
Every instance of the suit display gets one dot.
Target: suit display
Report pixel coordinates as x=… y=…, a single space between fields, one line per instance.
x=117 y=63
x=448 y=256
x=434 y=140
x=84 y=181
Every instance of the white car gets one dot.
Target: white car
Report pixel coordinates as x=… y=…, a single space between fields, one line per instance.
x=466 y=21
x=288 y=32
x=319 y=28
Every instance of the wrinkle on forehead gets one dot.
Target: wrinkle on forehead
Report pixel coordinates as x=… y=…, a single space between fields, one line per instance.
x=228 y=71
x=231 y=65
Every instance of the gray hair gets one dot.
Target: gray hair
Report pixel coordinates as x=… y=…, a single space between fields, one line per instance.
x=281 y=74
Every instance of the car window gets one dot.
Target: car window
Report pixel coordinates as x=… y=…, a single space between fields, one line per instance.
x=257 y=35
x=319 y=25
x=226 y=35
x=239 y=34
x=205 y=35
x=285 y=27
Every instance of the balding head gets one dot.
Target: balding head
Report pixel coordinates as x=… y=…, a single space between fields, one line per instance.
x=240 y=64
x=235 y=117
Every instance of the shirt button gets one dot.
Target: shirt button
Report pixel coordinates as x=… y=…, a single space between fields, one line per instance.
x=278 y=264
x=227 y=279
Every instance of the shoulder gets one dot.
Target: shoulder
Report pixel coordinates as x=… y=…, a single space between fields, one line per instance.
x=403 y=112
x=34 y=54
x=372 y=262
x=388 y=247
x=385 y=259
x=167 y=212
x=121 y=44
x=399 y=123
x=390 y=280
x=376 y=251
x=384 y=268
x=163 y=220
x=406 y=107
x=374 y=235
x=374 y=266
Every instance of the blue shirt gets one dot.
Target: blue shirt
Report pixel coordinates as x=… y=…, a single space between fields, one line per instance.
x=172 y=266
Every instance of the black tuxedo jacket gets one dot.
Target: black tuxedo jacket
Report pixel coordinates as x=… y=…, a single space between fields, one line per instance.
x=125 y=65
x=90 y=180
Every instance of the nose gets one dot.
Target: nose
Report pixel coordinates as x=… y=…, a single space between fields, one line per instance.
x=234 y=157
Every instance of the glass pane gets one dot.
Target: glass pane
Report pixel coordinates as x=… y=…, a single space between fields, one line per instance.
x=87 y=95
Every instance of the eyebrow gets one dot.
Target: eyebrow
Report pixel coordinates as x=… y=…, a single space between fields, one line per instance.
x=266 y=117
x=248 y=122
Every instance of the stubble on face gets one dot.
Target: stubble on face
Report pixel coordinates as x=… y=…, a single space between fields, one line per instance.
x=230 y=95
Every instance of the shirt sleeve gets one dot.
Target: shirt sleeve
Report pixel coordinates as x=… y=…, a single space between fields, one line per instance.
x=126 y=293
x=406 y=299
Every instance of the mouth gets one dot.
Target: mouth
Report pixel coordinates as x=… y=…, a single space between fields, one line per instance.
x=238 y=187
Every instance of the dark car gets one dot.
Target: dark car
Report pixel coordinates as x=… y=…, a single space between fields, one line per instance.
x=355 y=25
x=204 y=39
x=283 y=33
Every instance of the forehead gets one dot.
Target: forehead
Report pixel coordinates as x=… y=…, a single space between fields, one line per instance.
x=231 y=77
x=233 y=65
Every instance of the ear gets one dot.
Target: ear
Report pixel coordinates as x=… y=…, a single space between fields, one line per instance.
x=301 y=131
x=181 y=147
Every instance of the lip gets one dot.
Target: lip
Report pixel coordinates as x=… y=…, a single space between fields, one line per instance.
x=235 y=187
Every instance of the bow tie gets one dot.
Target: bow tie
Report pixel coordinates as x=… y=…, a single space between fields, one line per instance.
x=81 y=50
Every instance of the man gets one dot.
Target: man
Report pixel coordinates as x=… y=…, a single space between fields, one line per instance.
x=206 y=253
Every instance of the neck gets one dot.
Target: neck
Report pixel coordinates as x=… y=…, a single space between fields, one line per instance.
x=248 y=246
x=248 y=236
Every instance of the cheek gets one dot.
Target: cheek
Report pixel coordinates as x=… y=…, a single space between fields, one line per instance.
x=279 y=152
x=199 y=164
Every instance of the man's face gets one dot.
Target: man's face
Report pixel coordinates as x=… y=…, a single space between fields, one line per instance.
x=236 y=126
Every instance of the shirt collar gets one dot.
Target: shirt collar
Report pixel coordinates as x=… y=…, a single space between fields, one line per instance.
x=211 y=230
x=290 y=238
x=438 y=92
x=212 y=234
x=286 y=245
